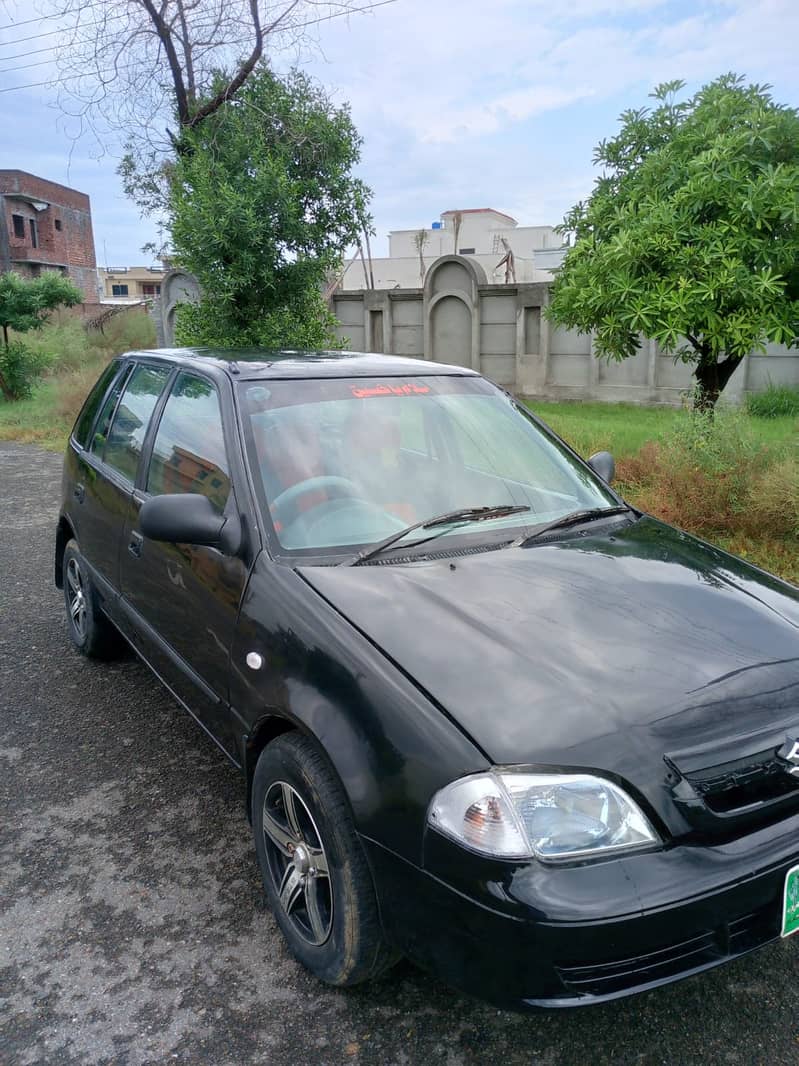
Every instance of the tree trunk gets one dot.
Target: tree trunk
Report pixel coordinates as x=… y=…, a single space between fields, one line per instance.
x=711 y=377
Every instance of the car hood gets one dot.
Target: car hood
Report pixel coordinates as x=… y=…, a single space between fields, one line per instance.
x=607 y=650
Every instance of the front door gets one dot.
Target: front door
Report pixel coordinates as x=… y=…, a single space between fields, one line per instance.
x=106 y=471
x=182 y=600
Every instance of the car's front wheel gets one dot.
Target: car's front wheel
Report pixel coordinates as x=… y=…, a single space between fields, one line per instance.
x=89 y=629
x=315 y=873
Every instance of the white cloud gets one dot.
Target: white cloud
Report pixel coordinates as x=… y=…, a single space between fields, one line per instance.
x=511 y=107
x=463 y=103
x=463 y=66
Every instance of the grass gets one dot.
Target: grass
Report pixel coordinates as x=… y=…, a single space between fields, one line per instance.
x=48 y=415
x=774 y=401
x=624 y=428
x=75 y=357
x=737 y=490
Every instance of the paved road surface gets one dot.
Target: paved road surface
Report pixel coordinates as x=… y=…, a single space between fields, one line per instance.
x=132 y=927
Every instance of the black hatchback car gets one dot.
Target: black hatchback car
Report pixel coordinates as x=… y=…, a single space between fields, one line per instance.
x=489 y=716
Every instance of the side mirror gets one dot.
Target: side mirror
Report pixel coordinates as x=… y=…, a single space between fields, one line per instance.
x=189 y=518
x=602 y=463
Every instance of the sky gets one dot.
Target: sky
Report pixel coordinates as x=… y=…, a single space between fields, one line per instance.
x=460 y=104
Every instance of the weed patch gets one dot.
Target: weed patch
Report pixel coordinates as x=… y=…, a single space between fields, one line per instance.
x=774 y=402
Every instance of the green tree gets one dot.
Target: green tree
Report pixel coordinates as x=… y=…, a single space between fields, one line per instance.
x=262 y=205
x=691 y=234
x=26 y=305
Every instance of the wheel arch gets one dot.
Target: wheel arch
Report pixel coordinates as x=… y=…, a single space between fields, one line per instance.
x=266 y=729
x=64 y=534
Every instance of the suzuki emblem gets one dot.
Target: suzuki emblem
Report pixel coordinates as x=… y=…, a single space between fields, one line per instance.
x=789 y=752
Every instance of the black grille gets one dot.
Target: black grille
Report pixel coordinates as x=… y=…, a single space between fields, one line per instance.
x=734 y=796
x=757 y=779
x=684 y=957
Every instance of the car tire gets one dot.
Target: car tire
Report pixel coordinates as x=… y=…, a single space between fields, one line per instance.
x=89 y=629
x=303 y=826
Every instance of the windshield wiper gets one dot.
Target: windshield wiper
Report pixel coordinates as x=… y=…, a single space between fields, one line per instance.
x=572 y=519
x=466 y=514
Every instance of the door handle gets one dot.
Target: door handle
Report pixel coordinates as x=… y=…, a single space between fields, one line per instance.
x=79 y=492
x=135 y=544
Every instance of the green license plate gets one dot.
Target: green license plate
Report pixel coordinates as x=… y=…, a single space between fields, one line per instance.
x=790 y=913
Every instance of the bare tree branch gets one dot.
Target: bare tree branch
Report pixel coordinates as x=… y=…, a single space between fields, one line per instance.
x=244 y=70
x=165 y=37
x=147 y=69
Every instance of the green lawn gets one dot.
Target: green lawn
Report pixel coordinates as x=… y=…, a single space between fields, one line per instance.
x=622 y=428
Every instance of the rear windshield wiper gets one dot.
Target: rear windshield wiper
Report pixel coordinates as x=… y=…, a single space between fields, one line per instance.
x=572 y=519
x=466 y=514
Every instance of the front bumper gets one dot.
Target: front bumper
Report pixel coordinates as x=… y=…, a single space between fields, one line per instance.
x=526 y=935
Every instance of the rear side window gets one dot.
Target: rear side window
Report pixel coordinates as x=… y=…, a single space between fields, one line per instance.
x=104 y=421
x=132 y=417
x=86 y=417
x=189 y=447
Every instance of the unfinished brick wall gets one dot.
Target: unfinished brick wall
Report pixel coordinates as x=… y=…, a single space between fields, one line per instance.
x=61 y=237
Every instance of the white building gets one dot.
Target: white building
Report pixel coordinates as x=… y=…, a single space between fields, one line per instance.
x=481 y=234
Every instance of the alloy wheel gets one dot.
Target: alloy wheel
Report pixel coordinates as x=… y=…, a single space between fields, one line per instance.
x=76 y=598
x=297 y=863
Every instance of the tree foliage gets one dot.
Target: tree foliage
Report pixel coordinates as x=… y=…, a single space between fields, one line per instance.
x=262 y=205
x=26 y=305
x=691 y=233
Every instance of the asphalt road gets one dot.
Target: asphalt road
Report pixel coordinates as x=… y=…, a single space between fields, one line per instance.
x=132 y=924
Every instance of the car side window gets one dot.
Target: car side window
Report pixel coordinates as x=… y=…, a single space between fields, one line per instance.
x=189 y=448
x=100 y=436
x=86 y=417
x=132 y=417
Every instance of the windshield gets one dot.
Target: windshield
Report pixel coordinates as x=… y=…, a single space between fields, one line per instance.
x=345 y=463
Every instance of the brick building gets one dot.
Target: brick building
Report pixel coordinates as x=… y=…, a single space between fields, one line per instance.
x=46 y=226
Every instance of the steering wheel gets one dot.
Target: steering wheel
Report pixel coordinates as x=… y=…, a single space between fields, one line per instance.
x=340 y=486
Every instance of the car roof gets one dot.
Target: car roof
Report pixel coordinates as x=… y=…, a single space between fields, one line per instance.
x=254 y=364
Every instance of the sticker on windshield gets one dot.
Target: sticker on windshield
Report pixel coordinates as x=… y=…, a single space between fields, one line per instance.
x=363 y=392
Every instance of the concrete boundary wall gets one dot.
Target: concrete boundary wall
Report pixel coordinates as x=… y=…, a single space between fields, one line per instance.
x=501 y=330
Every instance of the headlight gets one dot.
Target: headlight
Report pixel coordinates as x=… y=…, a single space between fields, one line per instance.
x=553 y=817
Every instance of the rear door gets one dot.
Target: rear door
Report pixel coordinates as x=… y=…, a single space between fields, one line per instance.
x=106 y=470
x=182 y=600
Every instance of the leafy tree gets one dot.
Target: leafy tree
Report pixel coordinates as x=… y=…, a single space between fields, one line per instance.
x=26 y=305
x=262 y=205
x=691 y=234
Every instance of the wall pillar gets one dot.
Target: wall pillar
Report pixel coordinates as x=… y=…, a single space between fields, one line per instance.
x=652 y=369
x=518 y=375
x=593 y=370
x=388 y=324
x=544 y=342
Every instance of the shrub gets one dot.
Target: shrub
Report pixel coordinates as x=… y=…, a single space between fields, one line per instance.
x=774 y=401
x=304 y=324
x=711 y=475
x=774 y=503
x=126 y=331
x=63 y=344
x=72 y=389
x=20 y=368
